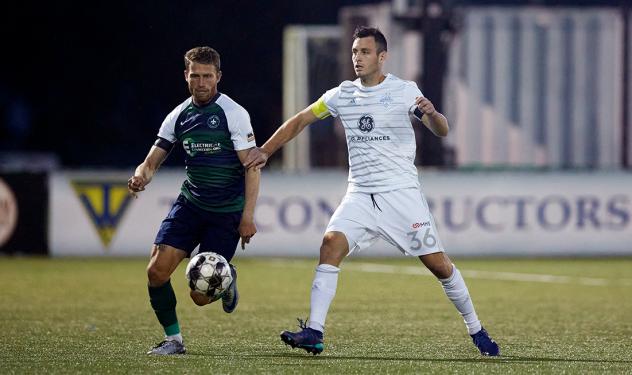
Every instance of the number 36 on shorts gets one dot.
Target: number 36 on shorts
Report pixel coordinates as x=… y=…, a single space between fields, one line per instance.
x=426 y=240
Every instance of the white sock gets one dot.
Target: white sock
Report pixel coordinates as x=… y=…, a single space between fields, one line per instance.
x=177 y=337
x=456 y=290
x=323 y=292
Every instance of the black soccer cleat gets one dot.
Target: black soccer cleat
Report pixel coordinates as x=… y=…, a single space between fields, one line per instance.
x=307 y=338
x=485 y=344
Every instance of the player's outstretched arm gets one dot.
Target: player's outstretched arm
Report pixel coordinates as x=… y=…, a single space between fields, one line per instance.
x=247 y=227
x=432 y=119
x=146 y=170
x=258 y=157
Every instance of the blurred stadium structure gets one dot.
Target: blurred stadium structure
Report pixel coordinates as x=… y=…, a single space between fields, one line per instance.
x=523 y=86
x=544 y=87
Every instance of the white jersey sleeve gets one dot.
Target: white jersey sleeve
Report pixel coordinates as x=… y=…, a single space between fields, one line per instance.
x=411 y=92
x=327 y=104
x=241 y=132
x=168 y=127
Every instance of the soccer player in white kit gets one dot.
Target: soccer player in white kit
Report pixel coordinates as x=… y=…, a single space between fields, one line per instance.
x=384 y=198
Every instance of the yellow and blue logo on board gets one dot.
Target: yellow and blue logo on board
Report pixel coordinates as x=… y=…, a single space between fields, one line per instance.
x=105 y=203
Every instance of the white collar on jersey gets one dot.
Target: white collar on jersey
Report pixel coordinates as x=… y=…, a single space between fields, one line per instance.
x=359 y=84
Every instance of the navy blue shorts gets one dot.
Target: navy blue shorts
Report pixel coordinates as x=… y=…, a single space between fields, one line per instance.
x=187 y=225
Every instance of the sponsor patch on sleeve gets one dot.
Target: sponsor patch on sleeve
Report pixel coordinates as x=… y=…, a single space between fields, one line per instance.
x=250 y=137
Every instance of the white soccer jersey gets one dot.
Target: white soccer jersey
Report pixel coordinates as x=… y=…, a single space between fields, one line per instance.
x=380 y=137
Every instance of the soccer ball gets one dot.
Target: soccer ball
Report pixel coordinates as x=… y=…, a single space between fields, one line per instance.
x=209 y=274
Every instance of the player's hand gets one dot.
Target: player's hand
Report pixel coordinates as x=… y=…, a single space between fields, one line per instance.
x=256 y=158
x=425 y=105
x=135 y=185
x=247 y=230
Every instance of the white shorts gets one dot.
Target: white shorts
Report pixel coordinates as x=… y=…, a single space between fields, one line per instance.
x=400 y=217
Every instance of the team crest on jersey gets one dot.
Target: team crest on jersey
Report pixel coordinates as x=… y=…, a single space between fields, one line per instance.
x=366 y=123
x=213 y=122
x=105 y=203
x=386 y=99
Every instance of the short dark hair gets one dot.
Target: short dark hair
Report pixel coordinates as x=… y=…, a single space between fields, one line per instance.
x=365 y=31
x=202 y=55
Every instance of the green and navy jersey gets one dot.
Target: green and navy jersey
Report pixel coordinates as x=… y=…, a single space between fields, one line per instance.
x=211 y=135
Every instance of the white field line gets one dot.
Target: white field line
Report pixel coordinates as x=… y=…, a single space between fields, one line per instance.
x=491 y=275
x=473 y=274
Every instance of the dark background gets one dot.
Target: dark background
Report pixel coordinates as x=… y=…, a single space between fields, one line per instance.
x=92 y=81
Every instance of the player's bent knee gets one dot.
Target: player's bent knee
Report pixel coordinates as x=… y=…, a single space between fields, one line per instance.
x=334 y=248
x=439 y=264
x=157 y=276
x=335 y=240
x=331 y=247
x=443 y=271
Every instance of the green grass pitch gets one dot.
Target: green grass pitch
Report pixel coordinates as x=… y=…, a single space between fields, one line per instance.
x=93 y=316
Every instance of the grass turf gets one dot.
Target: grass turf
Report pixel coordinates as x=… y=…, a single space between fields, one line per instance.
x=93 y=316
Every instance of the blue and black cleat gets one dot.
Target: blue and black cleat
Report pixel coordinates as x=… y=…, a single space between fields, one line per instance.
x=307 y=338
x=485 y=344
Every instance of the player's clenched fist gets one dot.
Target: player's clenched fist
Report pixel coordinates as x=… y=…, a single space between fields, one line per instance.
x=136 y=184
x=425 y=105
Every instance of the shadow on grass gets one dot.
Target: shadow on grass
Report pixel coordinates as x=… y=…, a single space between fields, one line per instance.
x=499 y=360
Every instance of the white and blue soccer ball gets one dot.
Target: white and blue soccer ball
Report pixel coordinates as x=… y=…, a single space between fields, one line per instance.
x=209 y=274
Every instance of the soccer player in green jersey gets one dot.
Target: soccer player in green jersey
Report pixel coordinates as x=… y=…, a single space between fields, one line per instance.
x=216 y=204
